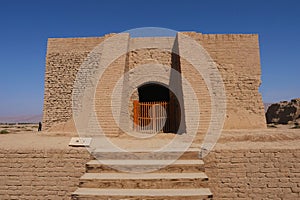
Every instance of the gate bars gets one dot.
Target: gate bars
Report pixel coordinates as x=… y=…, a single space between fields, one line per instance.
x=151 y=117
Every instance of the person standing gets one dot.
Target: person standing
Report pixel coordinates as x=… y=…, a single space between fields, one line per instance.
x=40 y=126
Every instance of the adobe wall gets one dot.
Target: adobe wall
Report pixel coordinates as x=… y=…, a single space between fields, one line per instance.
x=236 y=56
x=63 y=59
x=238 y=59
x=269 y=173
x=245 y=173
x=148 y=57
x=41 y=173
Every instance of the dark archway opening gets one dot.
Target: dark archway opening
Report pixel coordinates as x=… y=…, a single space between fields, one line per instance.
x=156 y=96
x=153 y=93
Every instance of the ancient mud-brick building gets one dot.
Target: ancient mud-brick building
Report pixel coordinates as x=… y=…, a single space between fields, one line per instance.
x=236 y=57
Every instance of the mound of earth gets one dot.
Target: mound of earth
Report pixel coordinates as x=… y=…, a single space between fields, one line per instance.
x=284 y=112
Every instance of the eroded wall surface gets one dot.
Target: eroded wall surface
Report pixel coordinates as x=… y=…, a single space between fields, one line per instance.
x=236 y=56
x=268 y=173
x=41 y=174
x=254 y=173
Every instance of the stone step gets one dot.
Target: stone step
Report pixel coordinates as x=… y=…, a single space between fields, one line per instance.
x=143 y=180
x=138 y=194
x=135 y=166
x=102 y=154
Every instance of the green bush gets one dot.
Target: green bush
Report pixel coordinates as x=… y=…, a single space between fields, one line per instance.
x=4 y=131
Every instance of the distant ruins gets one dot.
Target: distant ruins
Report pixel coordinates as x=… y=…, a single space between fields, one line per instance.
x=236 y=56
x=284 y=112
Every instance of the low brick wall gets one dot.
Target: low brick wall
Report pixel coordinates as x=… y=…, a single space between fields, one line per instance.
x=41 y=174
x=233 y=174
x=254 y=174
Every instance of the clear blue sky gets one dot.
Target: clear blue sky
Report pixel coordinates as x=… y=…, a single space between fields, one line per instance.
x=26 y=25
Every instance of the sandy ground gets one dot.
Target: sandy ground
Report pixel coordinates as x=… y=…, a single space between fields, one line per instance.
x=281 y=137
x=260 y=139
x=16 y=128
x=32 y=140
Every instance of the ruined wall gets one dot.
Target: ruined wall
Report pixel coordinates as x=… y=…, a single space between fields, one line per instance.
x=149 y=56
x=103 y=94
x=233 y=174
x=236 y=55
x=41 y=174
x=64 y=57
x=254 y=173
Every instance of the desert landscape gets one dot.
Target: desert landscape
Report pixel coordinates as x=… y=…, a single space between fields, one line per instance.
x=159 y=100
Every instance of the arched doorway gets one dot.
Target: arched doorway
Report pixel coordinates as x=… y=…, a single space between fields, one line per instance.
x=157 y=109
x=153 y=93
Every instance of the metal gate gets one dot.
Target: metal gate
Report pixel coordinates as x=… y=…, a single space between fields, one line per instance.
x=151 y=117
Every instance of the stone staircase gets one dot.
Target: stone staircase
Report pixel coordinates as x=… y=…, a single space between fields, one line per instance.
x=184 y=178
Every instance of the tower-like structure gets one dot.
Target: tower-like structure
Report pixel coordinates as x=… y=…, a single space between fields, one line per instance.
x=169 y=63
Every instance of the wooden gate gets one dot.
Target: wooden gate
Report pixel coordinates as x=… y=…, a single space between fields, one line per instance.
x=151 y=117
